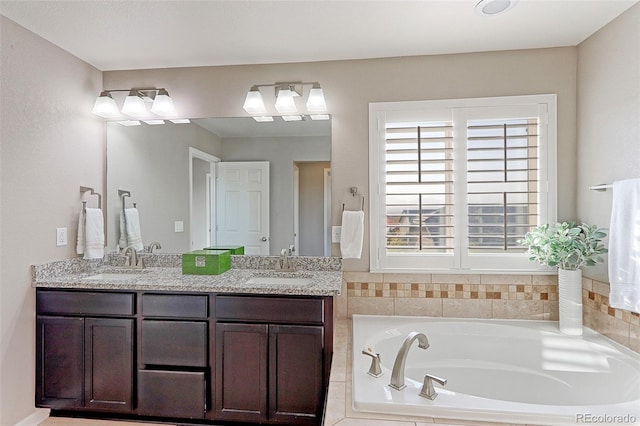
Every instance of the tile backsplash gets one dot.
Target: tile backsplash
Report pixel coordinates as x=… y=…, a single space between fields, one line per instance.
x=533 y=297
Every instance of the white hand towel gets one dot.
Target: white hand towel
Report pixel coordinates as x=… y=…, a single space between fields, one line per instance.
x=624 y=246
x=80 y=238
x=132 y=224
x=351 y=234
x=122 y=241
x=93 y=234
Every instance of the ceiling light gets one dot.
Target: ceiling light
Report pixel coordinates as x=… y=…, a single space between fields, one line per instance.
x=105 y=106
x=494 y=7
x=253 y=103
x=285 y=103
x=315 y=102
x=154 y=122
x=180 y=121
x=163 y=104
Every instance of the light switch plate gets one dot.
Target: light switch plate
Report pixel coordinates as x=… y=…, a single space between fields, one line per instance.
x=178 y=226
x=336 y=232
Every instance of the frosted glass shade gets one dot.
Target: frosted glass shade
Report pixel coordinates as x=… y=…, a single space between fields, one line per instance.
x=105 y=106
x=315 y=102
x=163 y=104
x=253 y=103
x=134 y=105
x=285 y=103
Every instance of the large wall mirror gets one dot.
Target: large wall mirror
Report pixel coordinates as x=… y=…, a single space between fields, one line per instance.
x=220 y=181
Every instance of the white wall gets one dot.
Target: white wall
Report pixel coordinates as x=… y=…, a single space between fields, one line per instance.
x=51 y=145
x=608 y=117
x=349 y=86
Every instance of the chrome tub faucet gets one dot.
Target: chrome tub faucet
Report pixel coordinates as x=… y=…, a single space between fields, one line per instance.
x=397 y=374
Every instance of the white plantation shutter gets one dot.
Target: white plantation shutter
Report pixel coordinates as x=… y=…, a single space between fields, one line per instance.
x=456 y=183
x=419 y=187
x=503 y=188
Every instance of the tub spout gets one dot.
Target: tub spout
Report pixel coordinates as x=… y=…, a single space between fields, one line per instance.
x=397 y=375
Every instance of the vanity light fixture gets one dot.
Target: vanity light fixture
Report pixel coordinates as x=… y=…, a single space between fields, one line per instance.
x=180 y=121
x=494 y=7
x=154 y=122
x=285 y=102
x=134 y=104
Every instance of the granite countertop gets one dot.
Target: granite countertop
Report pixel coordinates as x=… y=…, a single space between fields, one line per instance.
x=308 y=282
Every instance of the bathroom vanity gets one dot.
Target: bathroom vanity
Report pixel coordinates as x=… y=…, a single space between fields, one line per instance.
x=159 y=345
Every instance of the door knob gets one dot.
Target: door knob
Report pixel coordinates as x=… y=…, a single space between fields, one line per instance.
x=264 y=238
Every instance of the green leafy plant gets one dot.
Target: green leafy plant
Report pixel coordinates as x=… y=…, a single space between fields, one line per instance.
x=566 y=245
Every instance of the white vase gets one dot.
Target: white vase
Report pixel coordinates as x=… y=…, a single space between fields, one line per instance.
x=570 y=301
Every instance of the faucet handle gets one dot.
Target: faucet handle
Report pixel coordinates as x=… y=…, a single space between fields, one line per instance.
x=374 y=370
x=427 y=390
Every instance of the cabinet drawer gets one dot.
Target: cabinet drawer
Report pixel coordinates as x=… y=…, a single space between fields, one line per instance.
x=179 y=343
x=175 y=306
x=172 y=394
x=84 y=302
x=270 y=309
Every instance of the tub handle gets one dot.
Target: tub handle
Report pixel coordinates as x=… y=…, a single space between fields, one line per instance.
x=374 y=370
x=427 y=390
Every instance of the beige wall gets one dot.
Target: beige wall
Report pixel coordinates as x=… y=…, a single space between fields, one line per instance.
x=51 y=144
x=608 y=117
x=349 y=86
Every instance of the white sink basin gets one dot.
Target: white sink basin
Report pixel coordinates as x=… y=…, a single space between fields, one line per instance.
x=300 y=281
x=112 y=277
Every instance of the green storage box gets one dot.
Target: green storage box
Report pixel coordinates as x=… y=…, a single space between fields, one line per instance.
x=232 y=249
x=206 y=262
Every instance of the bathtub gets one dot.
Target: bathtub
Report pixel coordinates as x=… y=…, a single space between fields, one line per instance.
x=513 y=371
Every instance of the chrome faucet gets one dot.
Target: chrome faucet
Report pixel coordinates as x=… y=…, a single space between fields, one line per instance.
x=397 y=374
x=154 y=245
x=132 y=260
x=284 y=263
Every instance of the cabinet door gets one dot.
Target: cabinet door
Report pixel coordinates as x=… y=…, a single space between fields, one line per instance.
x=295 y=374
x=109 y=363
x=59 y=362
x=241 y=372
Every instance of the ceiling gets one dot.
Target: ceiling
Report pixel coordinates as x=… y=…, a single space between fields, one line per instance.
x=247 y=127
x=119 y=35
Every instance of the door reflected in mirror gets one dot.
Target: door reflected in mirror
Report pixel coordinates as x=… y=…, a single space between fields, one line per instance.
x=173 y=172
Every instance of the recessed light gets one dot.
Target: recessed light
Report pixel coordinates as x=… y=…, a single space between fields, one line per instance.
x=154 y=122
x=129 y=123
x=494 y=7
x=180 y=121
x=263 y=118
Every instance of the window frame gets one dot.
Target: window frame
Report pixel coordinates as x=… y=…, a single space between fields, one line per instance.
x=457 y=111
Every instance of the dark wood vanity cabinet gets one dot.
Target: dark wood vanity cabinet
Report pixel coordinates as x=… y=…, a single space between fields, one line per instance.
x=84 y=361
x=278 y=344
x=208 y=357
